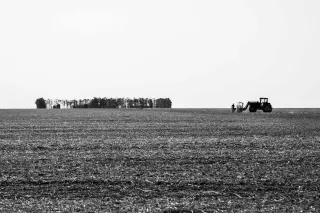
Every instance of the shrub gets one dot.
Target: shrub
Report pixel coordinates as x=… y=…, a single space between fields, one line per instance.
x=41 y=103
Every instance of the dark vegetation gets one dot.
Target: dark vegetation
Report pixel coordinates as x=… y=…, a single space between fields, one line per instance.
x=106 y=103
x=41 y=103
x=127 y=103
x=159 y=160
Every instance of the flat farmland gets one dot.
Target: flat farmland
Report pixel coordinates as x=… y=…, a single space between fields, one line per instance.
x=201 y=160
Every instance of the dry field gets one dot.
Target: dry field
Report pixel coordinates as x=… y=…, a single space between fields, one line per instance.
x=204 y=160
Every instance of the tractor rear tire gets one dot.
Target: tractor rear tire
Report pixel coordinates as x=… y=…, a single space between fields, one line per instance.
x=267 y=108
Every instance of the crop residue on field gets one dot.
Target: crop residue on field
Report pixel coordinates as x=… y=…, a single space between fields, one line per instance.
x=154 y=160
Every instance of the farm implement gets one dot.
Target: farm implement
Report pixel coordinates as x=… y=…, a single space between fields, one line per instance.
x=263 y=104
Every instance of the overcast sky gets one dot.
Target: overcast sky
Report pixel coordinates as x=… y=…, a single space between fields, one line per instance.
x=198 y=53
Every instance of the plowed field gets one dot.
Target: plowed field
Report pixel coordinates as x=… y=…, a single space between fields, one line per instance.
x=204 y=160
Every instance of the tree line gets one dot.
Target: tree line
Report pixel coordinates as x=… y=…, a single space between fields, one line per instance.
x=95 y=102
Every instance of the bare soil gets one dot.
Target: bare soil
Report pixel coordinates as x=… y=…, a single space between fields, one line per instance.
x=172 y=160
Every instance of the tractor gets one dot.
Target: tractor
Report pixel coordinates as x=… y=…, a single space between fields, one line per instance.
x=253 y=106
x=263 y=105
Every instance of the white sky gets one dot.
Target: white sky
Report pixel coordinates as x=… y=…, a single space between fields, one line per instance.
x=198 y=53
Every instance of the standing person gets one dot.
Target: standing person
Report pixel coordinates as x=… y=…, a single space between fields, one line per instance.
x=233 y=108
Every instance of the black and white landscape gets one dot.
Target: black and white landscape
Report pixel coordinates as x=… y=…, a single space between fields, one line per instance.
x=159 y=106
x=132 y=160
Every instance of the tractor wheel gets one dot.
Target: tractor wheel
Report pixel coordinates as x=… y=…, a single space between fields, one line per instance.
x=267 y=108
x=252 y=109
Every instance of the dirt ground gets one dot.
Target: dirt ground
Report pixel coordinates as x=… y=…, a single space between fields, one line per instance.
x=200 y=160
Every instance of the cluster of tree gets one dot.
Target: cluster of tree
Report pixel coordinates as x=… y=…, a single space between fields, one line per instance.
x=105 y=103
x=57 y=106
x=128 y=103
x=41 y=103
x=163 y=103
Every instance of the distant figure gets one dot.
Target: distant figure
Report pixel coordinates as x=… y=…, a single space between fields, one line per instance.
x=240 y=107
x=233 y=108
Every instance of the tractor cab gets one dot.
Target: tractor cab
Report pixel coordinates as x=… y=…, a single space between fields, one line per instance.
x=265 y=105
x=263 y=101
